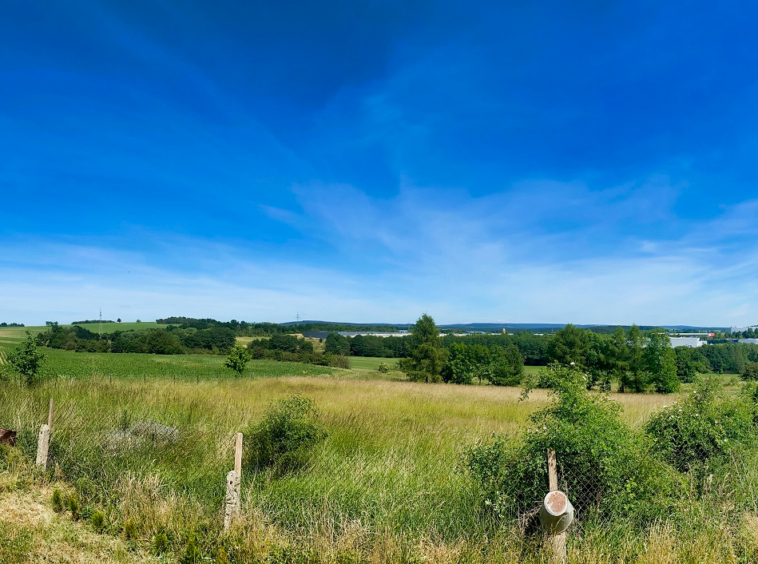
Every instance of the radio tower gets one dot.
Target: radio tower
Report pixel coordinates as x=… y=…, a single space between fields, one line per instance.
x=298 y=318
x=100 y=324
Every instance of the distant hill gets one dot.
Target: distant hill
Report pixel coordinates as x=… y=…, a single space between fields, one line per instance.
x=496 y=327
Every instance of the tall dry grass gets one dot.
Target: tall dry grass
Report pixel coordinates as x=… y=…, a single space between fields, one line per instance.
x=386 y=486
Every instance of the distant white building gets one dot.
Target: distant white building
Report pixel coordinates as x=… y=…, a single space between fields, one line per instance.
x=692 y=342
x=748 y=341
x=742 y=329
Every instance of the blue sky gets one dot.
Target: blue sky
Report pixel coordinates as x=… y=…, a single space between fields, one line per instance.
x=586 y=162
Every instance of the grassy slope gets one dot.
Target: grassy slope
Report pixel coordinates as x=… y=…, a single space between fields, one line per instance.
x=390 y=463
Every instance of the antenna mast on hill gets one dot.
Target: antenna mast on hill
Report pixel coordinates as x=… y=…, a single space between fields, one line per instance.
x=100 y=325
x=298 y=318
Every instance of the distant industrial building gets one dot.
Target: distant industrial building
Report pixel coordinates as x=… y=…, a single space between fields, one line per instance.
x=325 y=334
x=692 y=342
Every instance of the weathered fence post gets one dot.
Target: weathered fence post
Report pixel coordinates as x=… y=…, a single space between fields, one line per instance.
x=233 y=480
x=50 y=415
x=43 y=443
x=556 y=543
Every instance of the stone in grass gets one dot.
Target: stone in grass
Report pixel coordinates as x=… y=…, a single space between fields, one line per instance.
x=141 y=433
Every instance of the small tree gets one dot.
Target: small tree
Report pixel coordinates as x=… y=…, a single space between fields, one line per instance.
x=427 y=355
x=27 y=361
x=660 y=361
x=506 y=366
x=237 y=360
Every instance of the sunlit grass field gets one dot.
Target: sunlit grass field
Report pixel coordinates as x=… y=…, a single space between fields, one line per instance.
x=387 y=485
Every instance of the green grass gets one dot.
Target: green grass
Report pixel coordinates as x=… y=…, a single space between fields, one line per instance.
x=386 y=485
x=192 y=367
x=369 y=363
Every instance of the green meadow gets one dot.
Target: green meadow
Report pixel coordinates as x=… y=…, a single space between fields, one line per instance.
x=388 y=483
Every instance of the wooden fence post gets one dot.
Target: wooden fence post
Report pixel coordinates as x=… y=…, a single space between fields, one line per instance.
x=50 y=415
x=43 y=444
x=233 y=481
x=556 y=543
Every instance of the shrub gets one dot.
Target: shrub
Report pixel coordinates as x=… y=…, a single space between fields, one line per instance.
x=286 y=435
x=335 y=360
x=750 y=372
x=191 y=552
x=27 y=361
x=130 y=530
x=73 y=507
x=57 y=501
x=601 y=464
x=160 y=543
x=237 y=360
x=98 y=522
x=703 y=426
x=383 y=367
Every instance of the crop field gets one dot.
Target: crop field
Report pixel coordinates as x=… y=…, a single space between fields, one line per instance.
x=387 y=484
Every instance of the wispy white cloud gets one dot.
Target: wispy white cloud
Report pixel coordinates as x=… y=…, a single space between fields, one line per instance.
x=507 y=256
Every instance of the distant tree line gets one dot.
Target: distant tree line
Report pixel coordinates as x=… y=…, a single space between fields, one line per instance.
x=265 y=329
x=91 y=321
x=172 y=340
x=11 y=324
x=637 y=360
x=289 y=348
x=750 y=333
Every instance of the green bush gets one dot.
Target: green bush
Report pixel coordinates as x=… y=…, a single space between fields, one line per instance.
x=57 y=501
x=750 y=372
x=286 y=435
x=191 y=552
x=160 y=543
x=703 y=426
x=383 y=367
x=130 y=530
x=98 y=522
x=27 y=361
x=73 y=507
x=601 y=462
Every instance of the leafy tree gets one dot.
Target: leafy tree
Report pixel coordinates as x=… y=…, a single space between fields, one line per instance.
x=686 y=367
x=465 y=362
x=237 y=360
x=568 y=345
x=660 y=362
x=27 y=361
x=506 y=366
x=635 y=378
x=427 y=356
x=337 y=344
